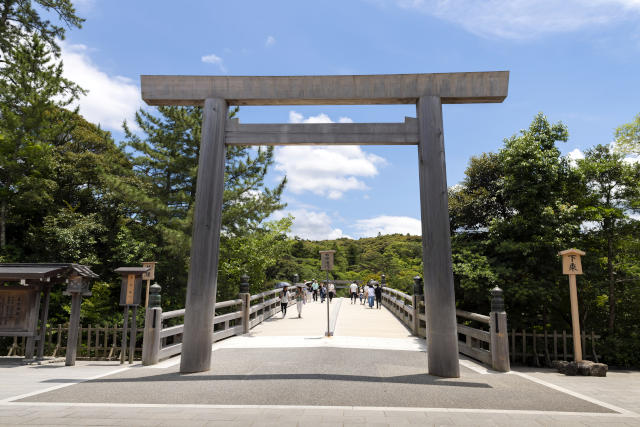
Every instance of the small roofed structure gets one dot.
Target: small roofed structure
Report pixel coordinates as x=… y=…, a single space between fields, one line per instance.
x=22 y=288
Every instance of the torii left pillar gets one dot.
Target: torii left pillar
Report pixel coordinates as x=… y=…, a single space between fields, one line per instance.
x=205 y=245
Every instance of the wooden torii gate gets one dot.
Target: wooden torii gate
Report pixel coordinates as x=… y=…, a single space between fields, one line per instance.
x=427 y=91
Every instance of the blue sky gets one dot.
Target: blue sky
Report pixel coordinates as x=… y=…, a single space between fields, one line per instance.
x=576 y=61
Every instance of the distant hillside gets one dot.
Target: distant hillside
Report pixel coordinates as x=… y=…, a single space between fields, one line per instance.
x=398 y=256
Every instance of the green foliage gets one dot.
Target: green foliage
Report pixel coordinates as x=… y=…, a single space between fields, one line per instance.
x=628 y=137
x=32 y=95
x=165 y=159
x=611 y=197
x=516 y=209
x=21 y=19
x=397 y=256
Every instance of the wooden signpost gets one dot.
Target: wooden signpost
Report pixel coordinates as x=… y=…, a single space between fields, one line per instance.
x=571 y=266
x=148 y=276
x=326 y=264
x=130 y=293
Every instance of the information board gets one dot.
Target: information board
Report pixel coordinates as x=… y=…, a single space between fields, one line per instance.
x=16 y=307
x=326 y=260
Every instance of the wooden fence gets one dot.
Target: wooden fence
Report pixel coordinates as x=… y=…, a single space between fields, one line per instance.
x=539 y=349
x=94 y=342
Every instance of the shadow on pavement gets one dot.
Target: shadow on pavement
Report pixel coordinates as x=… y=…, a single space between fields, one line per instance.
x=420 y=379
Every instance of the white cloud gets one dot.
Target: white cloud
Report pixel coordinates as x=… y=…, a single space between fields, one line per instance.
x=270 y=41
x=214 y=59
x=388 y=225
x=325 y=171
x=110 y=99
x=295 y=117
x=526 y=19
x=574 y=155
x=312 y=225
x=631 y=159
x=345 y=120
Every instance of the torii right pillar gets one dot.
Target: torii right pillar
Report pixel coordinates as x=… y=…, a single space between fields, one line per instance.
x=439 y=294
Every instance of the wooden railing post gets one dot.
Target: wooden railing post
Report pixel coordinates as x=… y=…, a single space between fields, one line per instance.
x=152 y=328
x=245 y=296
x=499 y=335
x=418 y=291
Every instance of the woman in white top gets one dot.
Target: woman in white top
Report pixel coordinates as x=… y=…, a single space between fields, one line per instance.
x=284 y=301
x=300 y=295
x=332 y=291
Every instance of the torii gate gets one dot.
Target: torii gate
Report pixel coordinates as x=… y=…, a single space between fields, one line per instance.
x=427 y=91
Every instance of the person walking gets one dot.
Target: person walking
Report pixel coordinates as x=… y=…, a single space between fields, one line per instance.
x=314 y=289
x=300 y=295
x=378 y=292
x=284 y=301
x=323 y=293
x=332 y=291
x=353 y=290
x=371 y=295
x=361 y=291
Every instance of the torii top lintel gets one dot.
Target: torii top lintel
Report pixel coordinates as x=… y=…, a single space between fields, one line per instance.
x=452 y=88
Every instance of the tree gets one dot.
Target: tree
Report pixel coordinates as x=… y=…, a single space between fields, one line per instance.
x=165 y=158
x=33 y=95
x=611 y=195
x=20 y=20
x=628 y=137
x=480 y=198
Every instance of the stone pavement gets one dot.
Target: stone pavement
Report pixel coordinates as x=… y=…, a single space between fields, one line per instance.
x=302 y=378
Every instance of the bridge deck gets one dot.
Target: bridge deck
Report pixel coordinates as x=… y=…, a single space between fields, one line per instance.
x=347 y=320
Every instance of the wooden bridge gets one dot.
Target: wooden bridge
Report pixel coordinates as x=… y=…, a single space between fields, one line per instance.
x=402 y=317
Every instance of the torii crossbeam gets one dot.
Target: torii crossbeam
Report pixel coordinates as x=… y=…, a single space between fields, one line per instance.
x=427 y=91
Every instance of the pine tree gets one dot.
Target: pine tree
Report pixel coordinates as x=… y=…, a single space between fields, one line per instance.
x=33 y=94
x=165 y=157
x=20 y=19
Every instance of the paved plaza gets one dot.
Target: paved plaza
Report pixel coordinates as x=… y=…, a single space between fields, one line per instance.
x=285 y=372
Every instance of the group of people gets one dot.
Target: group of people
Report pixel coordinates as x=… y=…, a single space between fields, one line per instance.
x=368 y=293
x=299 y=295
x=322 y=290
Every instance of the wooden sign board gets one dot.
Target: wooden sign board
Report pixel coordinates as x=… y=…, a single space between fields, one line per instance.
x=571 y=262
x=326 y=259
x=149 y=275
x=16 y=308
x=131 y=289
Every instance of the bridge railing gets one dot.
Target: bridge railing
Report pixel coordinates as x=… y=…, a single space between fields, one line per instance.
x=484 y=338
x=161 y=341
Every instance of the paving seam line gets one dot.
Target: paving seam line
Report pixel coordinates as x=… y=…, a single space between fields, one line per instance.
x=56 y=387
x=575 y=394
x=312 y=407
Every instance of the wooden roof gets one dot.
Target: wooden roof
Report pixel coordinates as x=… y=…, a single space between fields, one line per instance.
x=43 y=271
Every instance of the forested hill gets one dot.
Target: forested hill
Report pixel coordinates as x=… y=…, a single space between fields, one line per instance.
x=397 y=256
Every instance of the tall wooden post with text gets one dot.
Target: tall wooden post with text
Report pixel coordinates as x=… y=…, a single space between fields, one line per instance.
x=148 y=276
x=326 y=264
x=571 y=266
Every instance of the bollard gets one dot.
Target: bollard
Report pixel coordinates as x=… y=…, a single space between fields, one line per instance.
x=417 y=297
x=245 y=296
x=152 y=328
x=499 y=334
